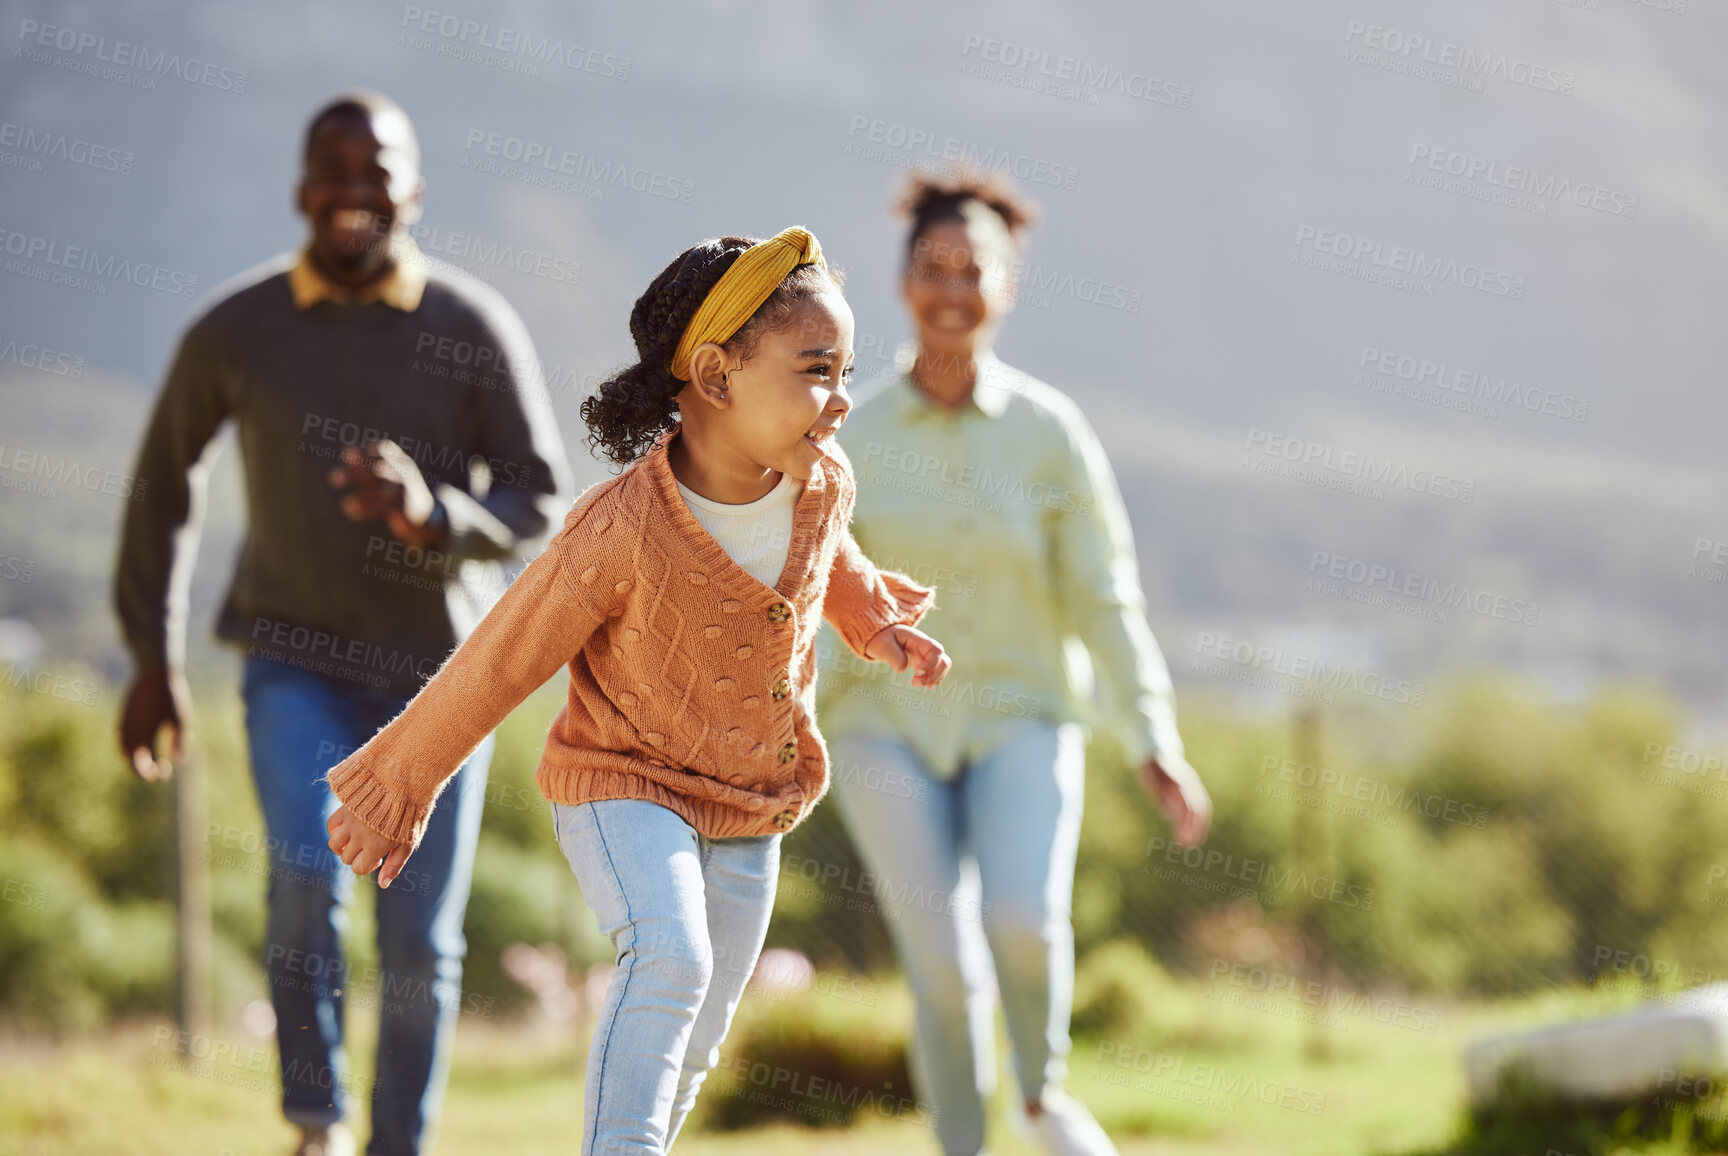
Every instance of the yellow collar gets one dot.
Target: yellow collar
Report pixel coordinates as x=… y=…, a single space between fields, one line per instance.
x=401 y=288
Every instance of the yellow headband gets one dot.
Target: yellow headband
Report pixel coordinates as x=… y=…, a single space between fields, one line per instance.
x=743 y=288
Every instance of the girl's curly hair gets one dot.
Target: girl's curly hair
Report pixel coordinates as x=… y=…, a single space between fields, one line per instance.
x=932 y=197
x=635 y=405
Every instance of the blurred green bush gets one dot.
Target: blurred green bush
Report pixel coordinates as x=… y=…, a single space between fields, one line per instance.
x=815 y=1059
x=1486 y=844
x=86 y=927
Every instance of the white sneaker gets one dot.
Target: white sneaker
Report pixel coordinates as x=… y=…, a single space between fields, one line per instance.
x=336 y=1140
x=1066 y=1128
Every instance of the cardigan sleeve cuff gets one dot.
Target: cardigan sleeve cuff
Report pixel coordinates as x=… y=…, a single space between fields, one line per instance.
x=898 y=601
x=391 y=814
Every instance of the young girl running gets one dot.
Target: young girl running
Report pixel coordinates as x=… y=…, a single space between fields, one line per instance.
x=685 y=596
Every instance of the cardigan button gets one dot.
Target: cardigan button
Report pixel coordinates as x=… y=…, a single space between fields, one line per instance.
x=788 y=752
x=781 y=689
x=779 y=612
x=784 y=820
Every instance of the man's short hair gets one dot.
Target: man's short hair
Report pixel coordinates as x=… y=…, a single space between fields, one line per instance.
x=368 y=104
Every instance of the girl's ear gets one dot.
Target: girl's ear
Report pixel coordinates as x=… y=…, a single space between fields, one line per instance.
x=709 y=365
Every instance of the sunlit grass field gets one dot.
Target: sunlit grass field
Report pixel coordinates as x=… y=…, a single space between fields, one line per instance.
x=1214 y=1079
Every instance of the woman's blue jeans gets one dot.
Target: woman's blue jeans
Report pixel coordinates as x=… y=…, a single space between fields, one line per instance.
x=969 y=870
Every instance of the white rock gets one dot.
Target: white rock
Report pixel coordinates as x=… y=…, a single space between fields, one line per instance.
x=1657 y=1049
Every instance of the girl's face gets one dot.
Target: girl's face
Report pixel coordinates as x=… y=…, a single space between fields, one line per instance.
x=959 y=281
x=786 y=400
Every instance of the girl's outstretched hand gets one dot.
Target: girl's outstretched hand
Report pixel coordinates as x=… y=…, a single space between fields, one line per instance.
x=903 y=646
x=364 y=849
x=1175 y=786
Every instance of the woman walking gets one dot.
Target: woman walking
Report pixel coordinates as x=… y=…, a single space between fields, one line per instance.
x=991 y=486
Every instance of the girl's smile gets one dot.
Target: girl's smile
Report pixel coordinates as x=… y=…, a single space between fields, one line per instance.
x=821 y=438
x=749 y=419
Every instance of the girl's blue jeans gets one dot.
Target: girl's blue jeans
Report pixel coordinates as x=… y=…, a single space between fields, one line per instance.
x=686 y=915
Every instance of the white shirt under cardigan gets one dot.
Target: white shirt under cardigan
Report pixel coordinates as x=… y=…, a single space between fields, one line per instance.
x=758 y=535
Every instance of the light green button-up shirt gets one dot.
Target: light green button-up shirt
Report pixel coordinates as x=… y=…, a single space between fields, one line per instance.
x=1007 y=506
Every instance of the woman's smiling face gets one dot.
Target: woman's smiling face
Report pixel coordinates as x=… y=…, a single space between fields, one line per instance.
x=959 y=280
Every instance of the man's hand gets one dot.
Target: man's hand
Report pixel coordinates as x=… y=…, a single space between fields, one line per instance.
x=1175 y=786
x=903 y=646
x=158 y=698
x=364 y=849
x=383 y=482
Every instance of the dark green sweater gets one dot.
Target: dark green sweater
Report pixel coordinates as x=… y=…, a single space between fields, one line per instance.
x=456 y=383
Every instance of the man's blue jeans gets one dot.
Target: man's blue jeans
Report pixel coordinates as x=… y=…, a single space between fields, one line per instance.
x=299 y=725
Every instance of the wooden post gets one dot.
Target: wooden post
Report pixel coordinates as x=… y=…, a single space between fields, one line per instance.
x=191 y=899
x=1310 y=849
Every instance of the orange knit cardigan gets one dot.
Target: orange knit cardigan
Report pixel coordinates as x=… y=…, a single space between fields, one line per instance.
x=691 y=683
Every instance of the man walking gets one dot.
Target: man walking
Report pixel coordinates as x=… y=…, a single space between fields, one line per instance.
x=383 y=476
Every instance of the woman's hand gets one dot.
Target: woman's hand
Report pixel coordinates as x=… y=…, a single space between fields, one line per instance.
x=364 y=849
x=1175 y=786
x=903 y=646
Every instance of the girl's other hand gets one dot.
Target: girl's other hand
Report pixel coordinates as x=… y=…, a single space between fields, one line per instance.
x=903 y=646
x=1175 y=786
x=364 y=849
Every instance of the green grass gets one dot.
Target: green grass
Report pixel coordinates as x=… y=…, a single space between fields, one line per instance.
x=1209 y=1078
